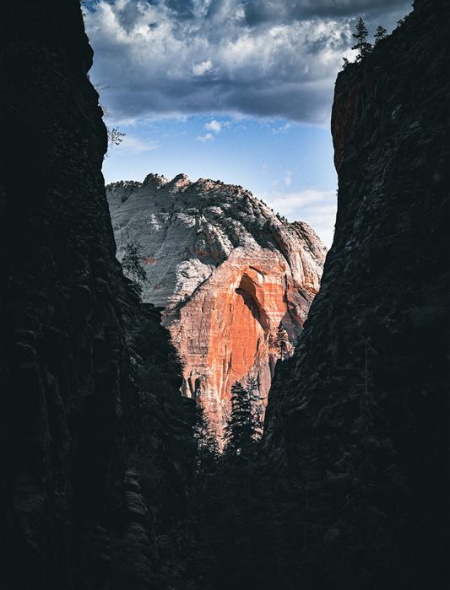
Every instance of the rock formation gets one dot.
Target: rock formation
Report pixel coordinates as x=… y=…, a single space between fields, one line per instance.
x=228 y=272
x=93 y=433
x=94 y=438
x=362 y=407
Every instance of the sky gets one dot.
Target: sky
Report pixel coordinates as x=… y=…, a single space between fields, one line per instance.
x=233 y=90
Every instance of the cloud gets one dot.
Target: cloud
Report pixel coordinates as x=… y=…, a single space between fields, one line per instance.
x=315 y=207
x=137 y=145
x=288 y=176
x=202 y=68
x=215 y=126
x=205 y=138
x=262 y=58
x=282 y=129
x=257 y=11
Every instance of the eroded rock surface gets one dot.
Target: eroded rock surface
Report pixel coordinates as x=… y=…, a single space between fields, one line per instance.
x=92 y=427
x=227 y=270
x=363 y=403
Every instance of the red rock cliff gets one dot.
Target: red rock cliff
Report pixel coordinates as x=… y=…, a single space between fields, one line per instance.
x=228 y=272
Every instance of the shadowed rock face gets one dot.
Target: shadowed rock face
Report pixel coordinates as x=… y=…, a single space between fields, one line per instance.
x=228 y=272
x=74 y=509
x=366 y=392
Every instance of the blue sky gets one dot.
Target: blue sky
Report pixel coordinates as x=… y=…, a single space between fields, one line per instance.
x=236 y=90
x=288 y=165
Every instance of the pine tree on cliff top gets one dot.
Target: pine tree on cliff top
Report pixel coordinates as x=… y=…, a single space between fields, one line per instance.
x=362 y=45
x=380 y=34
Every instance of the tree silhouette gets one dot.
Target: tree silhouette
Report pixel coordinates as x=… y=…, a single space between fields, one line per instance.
x=244 y=425
x=115 y=137
x=362 y=45
x=208 y=451
x=380 y=34
x=131 y=264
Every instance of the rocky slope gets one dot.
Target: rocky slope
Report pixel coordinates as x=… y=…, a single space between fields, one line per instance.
x=92 y=450
x=227 y=271
x=362 y=408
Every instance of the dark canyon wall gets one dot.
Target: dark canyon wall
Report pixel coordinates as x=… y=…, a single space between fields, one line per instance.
x=83 y=402
x=94 y=438
x=360 y=415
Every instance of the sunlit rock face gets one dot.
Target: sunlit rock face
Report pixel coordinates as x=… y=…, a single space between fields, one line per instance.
x=227 y=271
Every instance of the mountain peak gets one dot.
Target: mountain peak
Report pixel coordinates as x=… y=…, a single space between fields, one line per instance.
x=228 y=272
x=155 y=180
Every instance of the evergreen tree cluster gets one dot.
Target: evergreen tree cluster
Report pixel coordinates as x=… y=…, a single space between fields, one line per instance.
x=362 y=45
x=244 y=427
x=326 y=513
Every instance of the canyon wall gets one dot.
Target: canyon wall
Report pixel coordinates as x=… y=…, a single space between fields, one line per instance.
x=359 y=417
x=94 y=437
x=230 y=274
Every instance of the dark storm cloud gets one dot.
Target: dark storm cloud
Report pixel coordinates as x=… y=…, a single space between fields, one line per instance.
x=258 y=11
x=265 y=58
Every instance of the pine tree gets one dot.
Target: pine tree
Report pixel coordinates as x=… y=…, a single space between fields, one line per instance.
x=362 y=45
x=257 y=407
x=115 y=137
x=380 y=34
x=244 y=425
x=131 y=264
x=208 y=451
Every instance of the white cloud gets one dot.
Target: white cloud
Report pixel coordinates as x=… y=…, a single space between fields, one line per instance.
x=288 y=176
x=138 y=145
x=156 y=62
x=205 y=138
x=202 y=68
x=215 y=126
x=282 y=129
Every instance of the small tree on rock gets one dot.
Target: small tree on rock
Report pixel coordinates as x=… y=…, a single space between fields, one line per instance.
x=380 y=34
x=362 y=45
x=131 y=264
x=115 y=137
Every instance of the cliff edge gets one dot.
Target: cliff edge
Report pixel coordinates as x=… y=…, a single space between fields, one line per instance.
x=364 y=400
x=93 y=436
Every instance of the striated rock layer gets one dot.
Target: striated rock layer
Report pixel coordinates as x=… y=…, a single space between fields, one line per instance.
x=362 y=408
x=228 y=272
